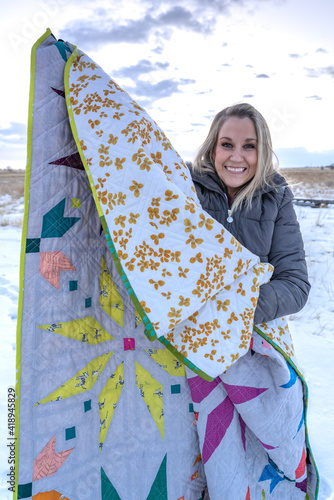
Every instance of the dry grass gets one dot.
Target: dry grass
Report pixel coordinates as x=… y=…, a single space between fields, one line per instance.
x=12 y=183
x=311 y=182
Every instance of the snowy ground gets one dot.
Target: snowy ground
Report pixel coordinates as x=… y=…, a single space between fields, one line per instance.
x=312 y=330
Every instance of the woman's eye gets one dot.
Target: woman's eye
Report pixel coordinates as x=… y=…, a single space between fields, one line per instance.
x=250 y=146
x=226 y=145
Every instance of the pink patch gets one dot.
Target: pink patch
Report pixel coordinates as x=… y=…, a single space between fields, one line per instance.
x=201 y=388
x=268 y=446
x=300 y=471
x=129 y=344
x=241 y=394
x=266 y=344
x=219 y=420
x=50 y=265
x=48 y=462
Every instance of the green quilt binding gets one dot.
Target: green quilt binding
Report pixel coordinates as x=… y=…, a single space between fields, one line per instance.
x=300 y=375
x=23 y=249
x=149 y=329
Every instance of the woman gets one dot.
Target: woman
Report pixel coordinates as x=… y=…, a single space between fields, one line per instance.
x=237 y=184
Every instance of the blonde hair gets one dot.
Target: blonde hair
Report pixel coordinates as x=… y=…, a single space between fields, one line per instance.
x=204 y=160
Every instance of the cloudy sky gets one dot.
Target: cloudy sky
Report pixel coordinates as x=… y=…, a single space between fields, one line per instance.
x=185 y=61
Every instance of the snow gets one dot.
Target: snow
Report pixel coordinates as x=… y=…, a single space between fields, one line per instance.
x=312 y=330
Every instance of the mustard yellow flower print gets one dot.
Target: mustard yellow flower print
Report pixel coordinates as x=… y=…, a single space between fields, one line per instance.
x=183 y=272
x=173 y=313
x=232 y=318
x=207 y=222
x=223 y=305
x=184 y=301
x=220 y=236
x=146 y=164
x=112 y=139
x=145 y=307
x=211 y=354
x=155 y=202
x=236 y=244
x=136 y=187
x=157 y=284
x=197 y=258
x=202 y=341
x=157 y=237
x=169 y=195
x=169 y=216
x=130 y=265
x=188 y=226
x=133 y=219
x=156 y=158
x=153 y=213
x=102 y=197
x=157 y=135
x=255 y=285
x=165 y=273
x=175 y=256
x=117 y=115
x=167 y=145
x=228 y=253
x=226 y=335
x=121 y=199
x=117 y=235
x=193 y=317
x=194 y=241
x=120 y=220
x=137 y=157
x=94 y=123
x=190 y=206
x=119 y=163
x=122 y=255
x=254 y=301
x=167 y=170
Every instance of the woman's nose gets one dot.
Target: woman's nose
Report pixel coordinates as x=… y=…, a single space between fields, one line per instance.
x=236 y=155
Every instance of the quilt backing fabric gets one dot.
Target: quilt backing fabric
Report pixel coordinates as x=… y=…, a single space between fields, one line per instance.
x=140 y=373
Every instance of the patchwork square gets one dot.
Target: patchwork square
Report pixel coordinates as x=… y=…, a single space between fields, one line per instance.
x=70 y=433
x=73 y=285
x=129 y=344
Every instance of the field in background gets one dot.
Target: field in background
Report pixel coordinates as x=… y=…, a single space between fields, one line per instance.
x=11 y=197
x=309 y=182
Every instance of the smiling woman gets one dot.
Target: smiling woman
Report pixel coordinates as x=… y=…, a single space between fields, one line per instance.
x=237 y=184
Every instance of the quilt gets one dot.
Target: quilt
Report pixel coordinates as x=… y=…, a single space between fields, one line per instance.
x=140 y=373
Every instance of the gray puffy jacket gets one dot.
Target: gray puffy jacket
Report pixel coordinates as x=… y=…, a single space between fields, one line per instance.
x=270 y=230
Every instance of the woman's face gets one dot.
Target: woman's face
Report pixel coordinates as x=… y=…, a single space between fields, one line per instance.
x=235 y=154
